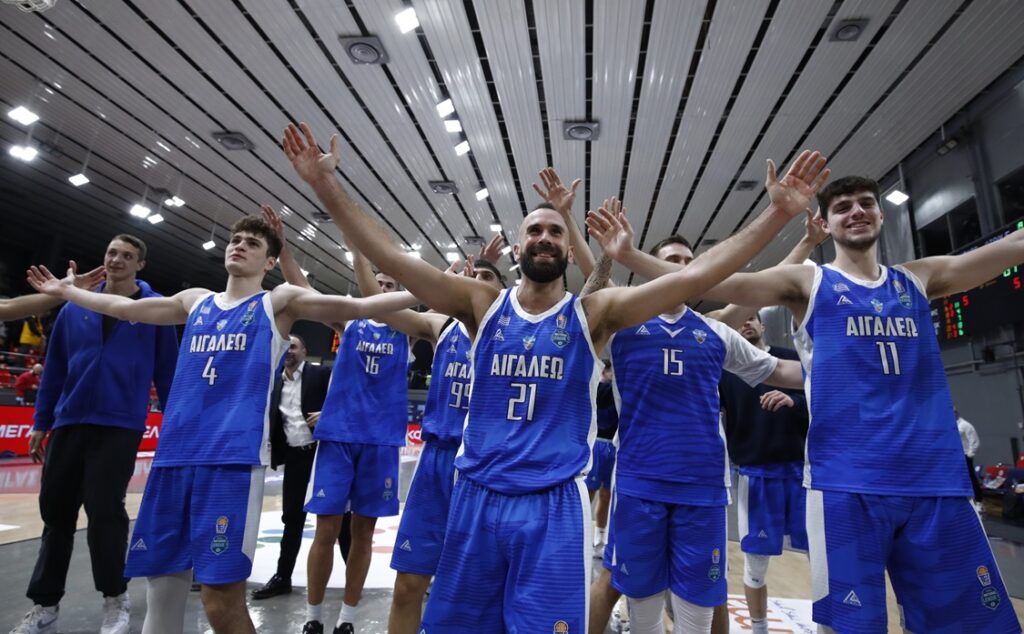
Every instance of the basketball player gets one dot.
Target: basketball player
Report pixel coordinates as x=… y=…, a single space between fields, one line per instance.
x=517 y=551
x=880 y=406
x=204 y=494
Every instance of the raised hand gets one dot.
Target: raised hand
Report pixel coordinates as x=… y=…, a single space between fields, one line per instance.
x=610 y=227
x=814 y=228
x=273 y=220
x=492 y=250
x=301 y=149
x=555 y=192
x=805 y=177
x=43 y=281
x=89 y=281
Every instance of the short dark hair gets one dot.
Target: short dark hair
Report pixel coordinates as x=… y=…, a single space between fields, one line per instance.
x=843 y=186
x=139 y=245
x=299 y=337
x=485 y=264
x=544 y=205
x=257 y=226
x=676 y=239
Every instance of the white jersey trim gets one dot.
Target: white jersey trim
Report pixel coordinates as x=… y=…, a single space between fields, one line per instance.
x=595 y=380
x=816 y=547
x=805 y=350
x=202 y=298
x=530 y=317
x=253 y=510
x=883 y=277
x=278 y=344
x=914 y=280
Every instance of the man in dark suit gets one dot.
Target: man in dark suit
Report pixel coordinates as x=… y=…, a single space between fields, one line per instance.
x=295 y=405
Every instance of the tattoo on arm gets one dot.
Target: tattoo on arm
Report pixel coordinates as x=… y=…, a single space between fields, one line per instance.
x=600 y=276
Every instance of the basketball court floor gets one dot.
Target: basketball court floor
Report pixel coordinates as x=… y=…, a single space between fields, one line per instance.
x=788 y=576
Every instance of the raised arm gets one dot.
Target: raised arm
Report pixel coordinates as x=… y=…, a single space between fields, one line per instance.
x=614 y=233
x=814 y=234
x=408 y=321
x=290 y=269
x=38 y=304
x=464 y=299
x=160 y=311
x=946 y=274
x=562 y=198
x=305 y=304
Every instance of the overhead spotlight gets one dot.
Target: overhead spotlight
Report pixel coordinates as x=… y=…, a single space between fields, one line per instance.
x=848 y=30
x=496 y=228
x=23 y=115
x=451 y=256
x=581 y=130
x=78 y=179
x=233 y=141
x=897 y=197
x=24 y=152
x=365 y=50
x=407 y=20
x=507 y=249
x=481 y=193
x=209 y=244
x=140 y=211
x=462 y=148
x=155 y=219
x=445 y=108
x=948 y=145
x=174 y=201
x=453 y=125
x=444 y=187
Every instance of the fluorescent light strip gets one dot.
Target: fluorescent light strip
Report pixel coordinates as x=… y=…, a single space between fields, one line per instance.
x=407 y=20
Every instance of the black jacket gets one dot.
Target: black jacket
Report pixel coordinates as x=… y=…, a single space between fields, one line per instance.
x=315 y=379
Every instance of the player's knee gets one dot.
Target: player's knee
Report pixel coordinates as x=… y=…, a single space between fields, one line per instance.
x=327 y=528
x=222 y=607
x=755 y=569
x=645 y=613
x=410 y=588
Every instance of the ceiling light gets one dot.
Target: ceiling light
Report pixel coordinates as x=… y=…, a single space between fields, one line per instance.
x=462 y=148
x=174 y=201
x=78 y=179
x=513 y=267
x=897 y=197
x=407 y=20
x=140 y=211
x=444 y=187
x=581 y=130
x=209 y=244
x=364 y=50
x=285 y=211
x=848 y=30
x=445 y=108
x=163 y=146
x=155 y=219
x=496 y=228
x=23 y=152
x=23 y=115
x=453 y=125
x=451 y=256
x=349 y=257
x=507 y=249
x=481 y=193
x=233 y=140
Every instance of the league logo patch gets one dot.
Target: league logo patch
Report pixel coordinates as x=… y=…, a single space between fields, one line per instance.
x=714 y=573
x=504 y=320
x=990 y=598
x=387 y=483
x=898 y=285
x=221 y=324
x=205 y=310
x=219 y=544
x=984 y=578
x=560 y=322
x=839 y=287
x=905 y=300
x=250 y=313
x=716 y=556
x=700 y=335
x=528 y=342
x=222 y=525
x=877 y=305
x=560 y=338
x=561 y=627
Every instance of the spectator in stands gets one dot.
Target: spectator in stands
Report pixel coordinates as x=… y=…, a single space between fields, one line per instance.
x=31 y=335
x=27 y=385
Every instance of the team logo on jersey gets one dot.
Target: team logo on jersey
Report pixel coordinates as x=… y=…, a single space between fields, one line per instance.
x=376 y=336
x=844 y=301
x=852 y=599
x=387 y=483
x=498 y=336
x=642 y=330
x=716 y=556
x=388 y=493
x=560 y=337
x=561 y=627
x=222 y=524
x=198 y=321
x=990 y=598
x=205 y=310
x=715 y=573
x=504 y=320
x=672 y=333
x=700 y=335
x=984 y=578
x=877 y=305
x=221 y=324
x=560 y=322
x=839 y=287
x=219 y=544
x=250 y=312
x=898 y=285
x=139 y=545
x=528 y=342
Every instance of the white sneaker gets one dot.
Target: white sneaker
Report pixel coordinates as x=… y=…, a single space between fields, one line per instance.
x=117 y=612
x=39 y=620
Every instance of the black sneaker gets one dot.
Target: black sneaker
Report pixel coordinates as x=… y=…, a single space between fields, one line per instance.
x=313 y=627
x=345 y=628
x=276 y=586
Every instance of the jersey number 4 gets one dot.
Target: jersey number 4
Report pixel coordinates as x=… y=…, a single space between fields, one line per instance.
x=210 y=372
x=885 y=350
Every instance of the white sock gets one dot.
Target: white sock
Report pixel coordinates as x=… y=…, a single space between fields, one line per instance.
x=601 y=532
x=759 y=626
x=165 y=603
x=315 y=612
x=348 y=614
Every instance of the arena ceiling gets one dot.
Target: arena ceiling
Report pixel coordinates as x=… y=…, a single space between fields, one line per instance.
x=691 y=97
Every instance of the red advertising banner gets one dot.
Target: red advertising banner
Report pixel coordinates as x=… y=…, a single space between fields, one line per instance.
x=16 y=424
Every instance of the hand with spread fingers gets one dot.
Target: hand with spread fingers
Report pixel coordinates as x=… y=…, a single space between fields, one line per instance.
x=794 y=192
x=555 y=192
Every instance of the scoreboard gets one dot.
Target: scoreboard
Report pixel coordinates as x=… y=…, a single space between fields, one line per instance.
x=996 y=303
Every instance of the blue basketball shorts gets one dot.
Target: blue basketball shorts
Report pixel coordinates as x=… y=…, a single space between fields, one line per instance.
x=600 y=476
x=934 y=548
x=513 y=563
x=768 y=509
x=353 y=477
x=654 y=546
x=421 y=531
x=201 y=517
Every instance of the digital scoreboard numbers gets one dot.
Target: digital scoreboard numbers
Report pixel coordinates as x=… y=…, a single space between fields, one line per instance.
x=996 y=303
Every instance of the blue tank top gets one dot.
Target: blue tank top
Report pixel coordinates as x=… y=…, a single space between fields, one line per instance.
x=217 y=412
x=666 y=374
x=531 y=422
x=368 y=397
x=881 y=415
x=444 y=414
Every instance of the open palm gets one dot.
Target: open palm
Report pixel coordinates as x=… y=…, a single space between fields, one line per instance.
x=793 y=193
x=555 y=191
x=302 y=150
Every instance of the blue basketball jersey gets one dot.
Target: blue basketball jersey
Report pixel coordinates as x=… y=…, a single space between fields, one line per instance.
x=531 y=422
x=217 y=412
x=444 y=414
x=881 y=415
x=671 y=442
x=368 y=399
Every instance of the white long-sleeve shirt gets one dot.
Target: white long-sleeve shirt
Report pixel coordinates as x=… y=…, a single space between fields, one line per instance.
x=968 y=436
